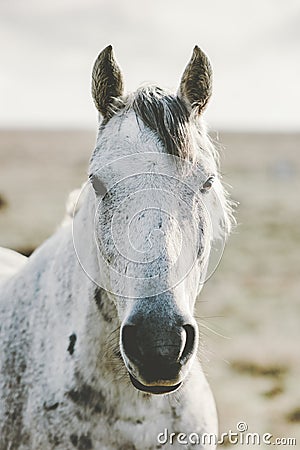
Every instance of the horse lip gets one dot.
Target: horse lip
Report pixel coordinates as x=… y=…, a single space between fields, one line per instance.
x=157 y=389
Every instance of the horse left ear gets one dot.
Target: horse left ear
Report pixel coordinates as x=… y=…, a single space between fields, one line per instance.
x=107 y=82
x=196 y=82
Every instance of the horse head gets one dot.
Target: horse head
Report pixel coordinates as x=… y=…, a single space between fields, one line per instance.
x=158 y=206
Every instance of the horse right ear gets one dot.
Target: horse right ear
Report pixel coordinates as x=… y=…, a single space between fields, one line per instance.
x=107 y=82
x=196 y=82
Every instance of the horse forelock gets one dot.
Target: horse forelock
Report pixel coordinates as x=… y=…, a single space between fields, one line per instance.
x=167 y=116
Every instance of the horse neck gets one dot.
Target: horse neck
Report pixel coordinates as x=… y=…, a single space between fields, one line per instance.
x=95 y=314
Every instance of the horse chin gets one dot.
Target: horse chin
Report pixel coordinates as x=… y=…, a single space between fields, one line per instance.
x=154 y=389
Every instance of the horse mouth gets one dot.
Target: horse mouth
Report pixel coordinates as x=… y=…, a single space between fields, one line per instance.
x=153 y=389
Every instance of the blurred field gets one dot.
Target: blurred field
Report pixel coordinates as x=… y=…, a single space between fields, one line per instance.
x=253 y=298
x=249 y=309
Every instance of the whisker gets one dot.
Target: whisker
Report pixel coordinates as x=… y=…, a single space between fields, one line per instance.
x=215 y=332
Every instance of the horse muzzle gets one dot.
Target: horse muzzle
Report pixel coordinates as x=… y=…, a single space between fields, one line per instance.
x=157 y=359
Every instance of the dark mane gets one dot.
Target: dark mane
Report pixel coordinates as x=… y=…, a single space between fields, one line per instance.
x=167 y=116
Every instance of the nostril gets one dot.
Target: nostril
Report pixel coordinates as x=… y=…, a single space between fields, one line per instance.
x=129 y=341
x=189 y=343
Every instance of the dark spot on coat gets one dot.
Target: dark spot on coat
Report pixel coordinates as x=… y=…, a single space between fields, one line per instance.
x=85 y=442
x=82 y=442
x=50 y=407
x=53 y=439
x=79 y=415
x=106 y=309
x=74 y=439
x=72 y=342
x=175 y=414
x=87 y=397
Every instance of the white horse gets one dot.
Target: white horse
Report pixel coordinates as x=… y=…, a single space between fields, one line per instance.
x=98 y=339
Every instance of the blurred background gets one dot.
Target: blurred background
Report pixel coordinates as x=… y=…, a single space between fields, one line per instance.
x=250 y=309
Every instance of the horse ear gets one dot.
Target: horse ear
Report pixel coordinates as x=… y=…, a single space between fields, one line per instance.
x=107 y=82
x=196 y=82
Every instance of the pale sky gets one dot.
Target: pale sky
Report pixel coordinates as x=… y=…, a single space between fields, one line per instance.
x=48 y=49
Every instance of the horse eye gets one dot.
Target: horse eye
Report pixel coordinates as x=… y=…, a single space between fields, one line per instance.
x=208 y=184
x=98 y=186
